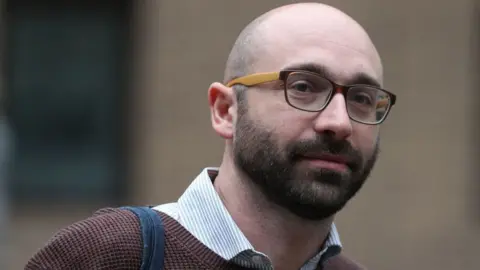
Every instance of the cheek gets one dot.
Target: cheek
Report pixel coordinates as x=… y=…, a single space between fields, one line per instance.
x=364 y=138
x=286 y=122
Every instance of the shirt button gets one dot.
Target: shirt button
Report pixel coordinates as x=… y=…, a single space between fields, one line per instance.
x=257 y=259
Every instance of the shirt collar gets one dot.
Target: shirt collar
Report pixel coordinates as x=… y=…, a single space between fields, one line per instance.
x=203 y=214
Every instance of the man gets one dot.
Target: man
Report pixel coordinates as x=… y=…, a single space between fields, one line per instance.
x=299 y=144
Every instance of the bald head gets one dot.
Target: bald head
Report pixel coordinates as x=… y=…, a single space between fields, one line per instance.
x=266 y=41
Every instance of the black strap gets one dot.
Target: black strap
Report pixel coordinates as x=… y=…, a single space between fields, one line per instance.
x=153 y=235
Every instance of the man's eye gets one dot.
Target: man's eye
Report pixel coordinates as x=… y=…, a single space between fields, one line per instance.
x=302 y=86
x=362 y=99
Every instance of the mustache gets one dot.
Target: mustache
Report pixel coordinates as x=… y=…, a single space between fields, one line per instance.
x=324 y=144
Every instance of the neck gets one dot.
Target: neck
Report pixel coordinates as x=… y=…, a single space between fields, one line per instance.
x=288 y=240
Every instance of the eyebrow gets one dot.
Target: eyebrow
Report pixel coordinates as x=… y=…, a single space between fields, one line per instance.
x=358 y=78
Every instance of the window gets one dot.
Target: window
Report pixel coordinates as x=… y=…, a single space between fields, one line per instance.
x=66 y=71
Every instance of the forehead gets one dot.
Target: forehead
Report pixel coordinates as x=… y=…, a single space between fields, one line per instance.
x=339 y=45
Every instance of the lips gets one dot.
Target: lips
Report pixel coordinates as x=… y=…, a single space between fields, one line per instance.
x=326 y=157
x=334 y=162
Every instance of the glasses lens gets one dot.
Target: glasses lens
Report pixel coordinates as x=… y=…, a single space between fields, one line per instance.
x=307 y=91
x=367 y=104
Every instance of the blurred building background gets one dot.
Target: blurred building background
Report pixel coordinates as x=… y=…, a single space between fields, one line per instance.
x=106 y=103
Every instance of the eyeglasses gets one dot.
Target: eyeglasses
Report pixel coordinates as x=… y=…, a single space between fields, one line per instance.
x=308 y=91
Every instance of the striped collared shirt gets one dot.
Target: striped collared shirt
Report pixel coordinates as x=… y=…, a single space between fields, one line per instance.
x=201 y=211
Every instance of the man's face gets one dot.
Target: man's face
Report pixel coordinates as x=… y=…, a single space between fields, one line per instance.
x=288 y=179
x=274 y=143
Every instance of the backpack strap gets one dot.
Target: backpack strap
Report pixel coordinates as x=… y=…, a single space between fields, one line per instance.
x=153 y=236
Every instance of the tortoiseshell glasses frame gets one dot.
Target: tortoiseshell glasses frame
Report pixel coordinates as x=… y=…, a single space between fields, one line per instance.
x=311 y=92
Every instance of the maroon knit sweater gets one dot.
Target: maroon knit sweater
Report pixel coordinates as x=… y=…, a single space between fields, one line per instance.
x=111 y=239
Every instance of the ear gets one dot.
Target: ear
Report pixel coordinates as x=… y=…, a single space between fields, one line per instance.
x=222 y=104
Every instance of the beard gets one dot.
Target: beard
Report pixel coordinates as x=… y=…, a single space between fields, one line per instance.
x=308 y=192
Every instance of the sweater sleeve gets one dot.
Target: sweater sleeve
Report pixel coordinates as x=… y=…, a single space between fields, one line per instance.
x=110 y=239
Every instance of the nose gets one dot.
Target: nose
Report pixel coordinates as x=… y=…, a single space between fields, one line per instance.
x=334 y=119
